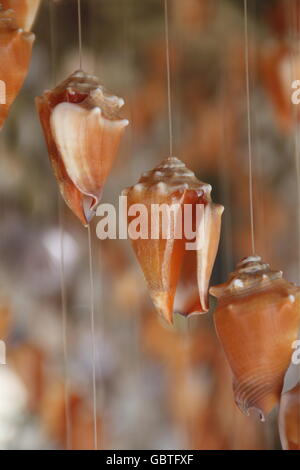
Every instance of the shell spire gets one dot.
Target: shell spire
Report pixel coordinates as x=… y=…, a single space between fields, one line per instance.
x=83 y=131
x=177 y=276
x=15 y=50
x=257 y=319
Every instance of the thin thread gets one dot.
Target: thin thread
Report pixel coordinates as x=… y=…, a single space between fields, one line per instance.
x=249 y=127
x=294 y=39
x=92 y=320
x=64 y=330
x=62 y=261
x=224 y=184
x=79 y=33
x=168 y=76
x=52 y=42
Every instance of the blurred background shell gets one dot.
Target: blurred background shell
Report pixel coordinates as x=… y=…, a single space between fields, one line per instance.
x=180 y=372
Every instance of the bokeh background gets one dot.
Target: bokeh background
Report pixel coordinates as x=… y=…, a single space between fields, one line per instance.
x=158 y=387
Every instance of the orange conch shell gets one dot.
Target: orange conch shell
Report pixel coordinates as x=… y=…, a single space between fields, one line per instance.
x=83 y=132
x=15 y=47
x=25 y=11
x=289 y=419
x=177 y=277
x=257 y=320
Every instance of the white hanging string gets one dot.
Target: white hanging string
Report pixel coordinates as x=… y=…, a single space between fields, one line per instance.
x=295 y=46
x=168 y=76
x=79 y=33
x=92 y=294
x=64 y=329
x=92 y=323
x=62 y=260
x=249 y=125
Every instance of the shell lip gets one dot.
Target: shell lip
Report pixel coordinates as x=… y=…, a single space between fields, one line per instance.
x=192 y=312
x=89 y=205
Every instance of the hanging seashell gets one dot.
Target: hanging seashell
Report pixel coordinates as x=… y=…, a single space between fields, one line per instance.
x=83 y=130
x=257 y=319
x=15 y=50
x=276 y=67
x=177 y=277
x=24 y=11
x=289 y=419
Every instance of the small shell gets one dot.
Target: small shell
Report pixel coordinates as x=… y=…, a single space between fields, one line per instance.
x=15 y=51
x=177 y=278
x=257 y=319
x=289 y=419
x=24 y=11
x=83 y=132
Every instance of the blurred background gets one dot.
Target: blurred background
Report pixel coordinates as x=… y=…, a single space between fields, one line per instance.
x=158 y=387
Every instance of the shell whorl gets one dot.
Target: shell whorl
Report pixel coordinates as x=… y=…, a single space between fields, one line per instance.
x=169 y=176
x=250 y=273
x=83 y=83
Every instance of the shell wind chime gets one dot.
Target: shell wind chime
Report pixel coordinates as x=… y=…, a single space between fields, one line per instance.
x=177 y=278
x=257 y=319
x=15 y=45
x=289 y=419
x=83 y=130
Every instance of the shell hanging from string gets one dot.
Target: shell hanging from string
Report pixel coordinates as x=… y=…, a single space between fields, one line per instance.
x=257 y=319
x=276 y=69
x=289 y=419
x=279 y=64
x=83 y=130
x=15 y=46
x=177 y=277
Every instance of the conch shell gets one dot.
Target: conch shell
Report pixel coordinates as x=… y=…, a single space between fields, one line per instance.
x=15 y=47
x=25 y=11
x=289 y=419
x=83 y=132
x=169 y=267
x=257 y=320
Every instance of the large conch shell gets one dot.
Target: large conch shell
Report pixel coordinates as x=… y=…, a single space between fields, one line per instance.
x=289 y=419
x=25 y=11
x=169 y=267
x=257 y=320
x=83 y=132
x=15 y=50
